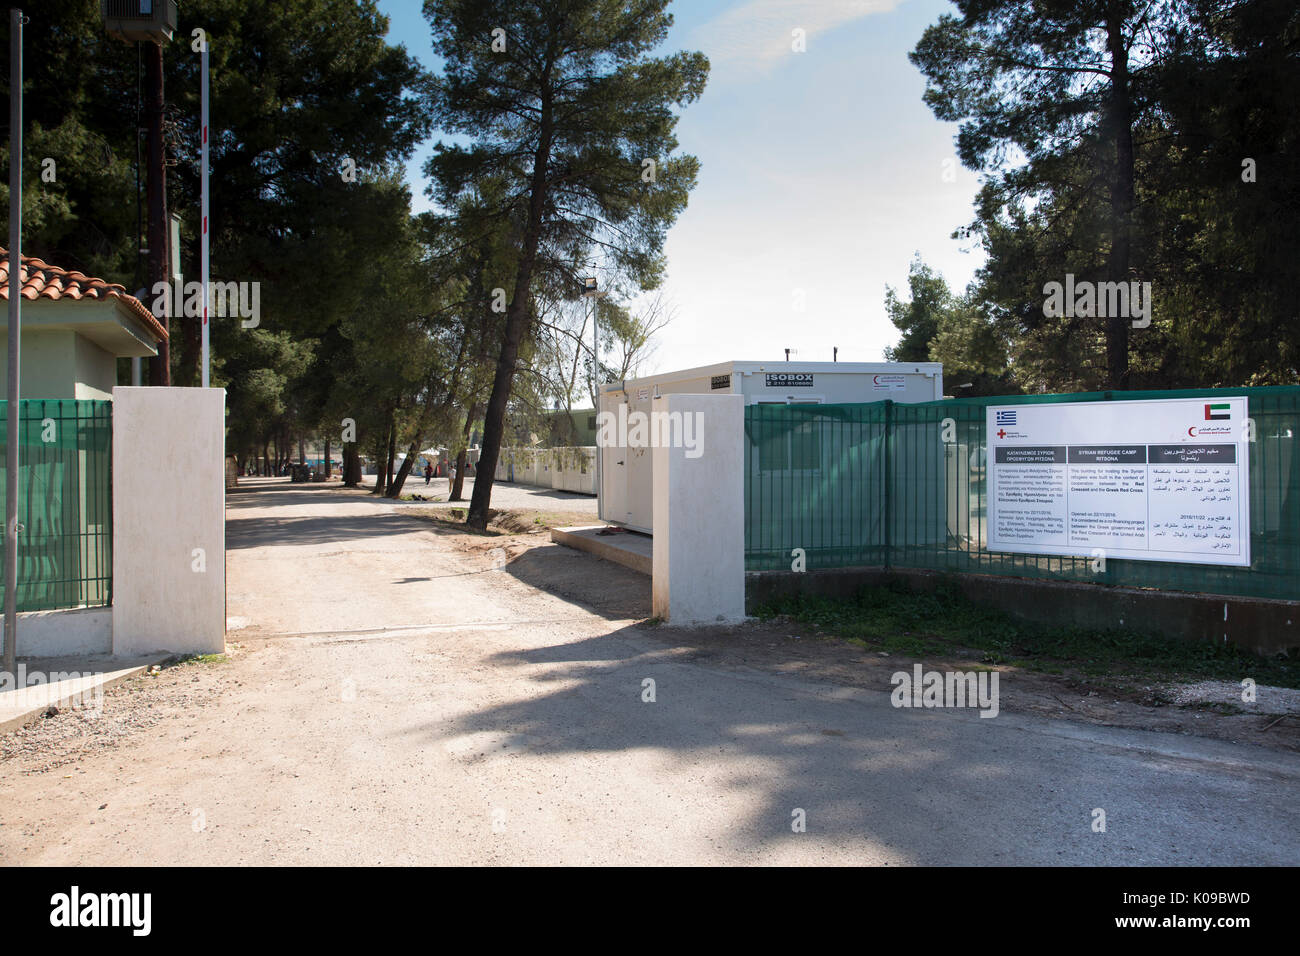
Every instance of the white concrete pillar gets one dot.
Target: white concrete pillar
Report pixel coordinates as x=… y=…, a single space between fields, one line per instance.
x=699 y=509
x=169 y=520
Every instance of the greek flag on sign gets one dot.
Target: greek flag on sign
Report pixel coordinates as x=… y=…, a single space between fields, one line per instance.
x=1006 y=418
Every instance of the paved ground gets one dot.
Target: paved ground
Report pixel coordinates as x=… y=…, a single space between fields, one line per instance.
x=394 y=699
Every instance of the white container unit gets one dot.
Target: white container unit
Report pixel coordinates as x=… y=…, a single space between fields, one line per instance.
x=574 y=469
x=626 y=478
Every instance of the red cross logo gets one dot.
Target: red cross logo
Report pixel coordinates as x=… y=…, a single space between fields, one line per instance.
x=1002 y=433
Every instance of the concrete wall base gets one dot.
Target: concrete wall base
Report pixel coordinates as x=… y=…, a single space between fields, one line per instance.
x=630 y=550
x=66 y=632
x=1261 y=626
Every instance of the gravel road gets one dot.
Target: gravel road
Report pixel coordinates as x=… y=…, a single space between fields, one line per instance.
x=389 y=698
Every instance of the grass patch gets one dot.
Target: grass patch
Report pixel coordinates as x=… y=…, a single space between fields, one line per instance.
x=197 y=659
x=523 y=520
x=453 y=520
x=944 y=622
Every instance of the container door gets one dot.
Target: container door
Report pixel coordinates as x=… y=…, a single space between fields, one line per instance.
x=640 y=465
x=613 y=475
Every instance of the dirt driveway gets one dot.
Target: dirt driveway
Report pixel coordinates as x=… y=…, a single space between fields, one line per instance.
x=392 y=696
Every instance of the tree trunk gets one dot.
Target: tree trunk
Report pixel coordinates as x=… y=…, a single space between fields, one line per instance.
x=328 y=464
x=351 y=466
x=518 y=319
x=1121 y=201
x=266 y=459
x=381 y=463
x=156 y=190
x=395 y=489
x=459 y=486
x=392 y=454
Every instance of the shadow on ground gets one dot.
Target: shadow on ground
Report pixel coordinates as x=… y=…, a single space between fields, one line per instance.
x=878 y=782
x=317 y=530
x=614 y=592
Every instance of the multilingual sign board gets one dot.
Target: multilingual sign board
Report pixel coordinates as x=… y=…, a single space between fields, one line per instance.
x=1160 y=480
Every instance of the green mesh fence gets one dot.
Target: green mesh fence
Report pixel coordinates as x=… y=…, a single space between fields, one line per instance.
x=808 y=484
x=889 y=484
x=65 y=504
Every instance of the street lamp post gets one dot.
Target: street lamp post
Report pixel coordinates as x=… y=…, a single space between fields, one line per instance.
x=591 y=292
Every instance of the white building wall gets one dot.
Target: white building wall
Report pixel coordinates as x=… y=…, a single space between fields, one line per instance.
x=96 y=372
x=48 y=362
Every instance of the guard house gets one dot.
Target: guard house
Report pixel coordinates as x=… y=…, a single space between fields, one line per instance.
x=74 y=329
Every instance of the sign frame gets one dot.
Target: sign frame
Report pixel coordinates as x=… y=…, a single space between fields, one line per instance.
x=1067 y=479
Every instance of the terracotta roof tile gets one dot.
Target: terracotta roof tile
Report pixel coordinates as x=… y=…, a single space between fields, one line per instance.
x=43 y=281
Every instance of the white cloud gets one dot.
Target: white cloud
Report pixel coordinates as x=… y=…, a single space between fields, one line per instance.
x=754 y=37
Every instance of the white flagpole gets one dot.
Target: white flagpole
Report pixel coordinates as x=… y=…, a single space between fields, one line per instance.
x=203 y=254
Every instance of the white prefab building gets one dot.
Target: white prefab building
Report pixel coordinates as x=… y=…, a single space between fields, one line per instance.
x=626 y=473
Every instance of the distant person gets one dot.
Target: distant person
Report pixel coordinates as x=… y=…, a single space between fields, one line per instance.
x=428 y=472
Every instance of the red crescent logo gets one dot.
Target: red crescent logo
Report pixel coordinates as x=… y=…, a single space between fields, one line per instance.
x=1191 y=431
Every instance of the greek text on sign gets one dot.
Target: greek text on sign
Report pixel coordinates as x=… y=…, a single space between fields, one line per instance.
x=1163 y=480
x=788 y=380
x=891 y=383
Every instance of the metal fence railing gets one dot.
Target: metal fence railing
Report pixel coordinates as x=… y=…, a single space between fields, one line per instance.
x=65 y=503
x=888 y=484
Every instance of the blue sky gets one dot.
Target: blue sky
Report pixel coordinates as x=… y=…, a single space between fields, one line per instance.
x=822 y=174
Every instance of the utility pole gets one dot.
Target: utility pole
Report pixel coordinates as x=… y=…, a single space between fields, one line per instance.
x=204 y=202
x=159 y=366
x=591 y=293
x=152 y=22
x=12 y=452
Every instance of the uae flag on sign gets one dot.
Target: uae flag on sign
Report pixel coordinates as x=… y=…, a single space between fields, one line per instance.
x=1217 y=412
